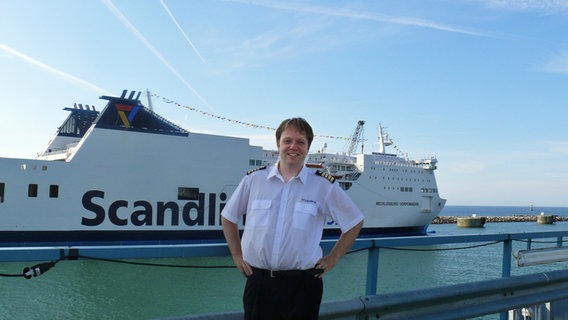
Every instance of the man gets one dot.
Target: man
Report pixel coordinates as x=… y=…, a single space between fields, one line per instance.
x=285 y=206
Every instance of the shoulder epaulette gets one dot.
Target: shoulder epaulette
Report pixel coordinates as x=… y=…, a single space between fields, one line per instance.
x=325 y=175
x=256 y=169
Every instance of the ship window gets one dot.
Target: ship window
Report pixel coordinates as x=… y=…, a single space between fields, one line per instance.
x=188 y=193
x=253 y=162
x=53 y=191
x=345 y=185
x=2 y=192
x=32 y=190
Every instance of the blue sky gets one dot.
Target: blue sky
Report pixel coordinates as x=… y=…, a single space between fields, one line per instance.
x=480 y=84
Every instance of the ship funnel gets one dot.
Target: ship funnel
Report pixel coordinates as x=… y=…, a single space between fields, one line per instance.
x=87 y=107
x=131 y=96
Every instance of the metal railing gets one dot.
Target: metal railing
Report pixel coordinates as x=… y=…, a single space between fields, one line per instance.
x=449 y=302
x=459 y=301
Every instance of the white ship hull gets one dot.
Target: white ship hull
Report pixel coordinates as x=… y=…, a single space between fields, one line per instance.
x=131 y=176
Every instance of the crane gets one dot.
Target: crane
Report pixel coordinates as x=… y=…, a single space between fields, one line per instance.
x=356 y=137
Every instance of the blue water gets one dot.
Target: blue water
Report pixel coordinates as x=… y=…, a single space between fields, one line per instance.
x=102 y=290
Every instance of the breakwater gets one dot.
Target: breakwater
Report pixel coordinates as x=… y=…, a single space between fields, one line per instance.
x=513 y=218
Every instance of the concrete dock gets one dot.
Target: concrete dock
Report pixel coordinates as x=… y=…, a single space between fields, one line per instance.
x=514 y=218
x=471 y=222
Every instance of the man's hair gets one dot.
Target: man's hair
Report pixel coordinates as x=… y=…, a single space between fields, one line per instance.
x=299 y=124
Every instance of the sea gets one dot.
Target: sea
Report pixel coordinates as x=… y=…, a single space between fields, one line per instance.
x=86 y=289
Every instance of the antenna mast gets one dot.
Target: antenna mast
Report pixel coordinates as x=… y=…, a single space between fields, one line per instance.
x=384 y=139
x=149 y=97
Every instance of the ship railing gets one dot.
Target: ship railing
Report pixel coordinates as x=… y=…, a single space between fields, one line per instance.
x=66 y=149
x=332 y=158
x=59 y=154
x=351 y=176
x=54 y=152
x=397 y=163
x=409 y=164
x=51 y=153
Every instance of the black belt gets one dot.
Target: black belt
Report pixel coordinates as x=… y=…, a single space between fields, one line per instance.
x=287 y=273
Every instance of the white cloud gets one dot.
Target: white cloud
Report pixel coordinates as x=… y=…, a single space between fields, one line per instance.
x=12 y=52
x=182 y=31
x=559 y=147
x=362 y=15
x=557 y=63
x=471 y=166
x=124 y=20
x=546 y=6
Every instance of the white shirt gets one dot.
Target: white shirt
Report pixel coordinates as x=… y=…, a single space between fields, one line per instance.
x=284 y=220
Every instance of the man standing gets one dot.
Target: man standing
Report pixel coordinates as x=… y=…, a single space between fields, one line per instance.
x=285 y=206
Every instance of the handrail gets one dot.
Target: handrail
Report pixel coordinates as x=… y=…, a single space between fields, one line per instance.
x=450 y=302
x=459 y=301
x=472 y=299
x=462 y=295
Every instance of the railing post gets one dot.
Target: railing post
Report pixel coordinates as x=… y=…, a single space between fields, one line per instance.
x=529 y=244
x=506 y=269
x=507 y=257
x=372 y=270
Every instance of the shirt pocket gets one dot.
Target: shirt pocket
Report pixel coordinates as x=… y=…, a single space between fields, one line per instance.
x=259 y=213
x=304 y=215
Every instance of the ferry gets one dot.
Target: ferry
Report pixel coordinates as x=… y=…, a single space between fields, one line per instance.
x=126 y=175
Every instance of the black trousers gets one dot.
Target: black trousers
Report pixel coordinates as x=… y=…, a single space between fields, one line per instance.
x=282 y=298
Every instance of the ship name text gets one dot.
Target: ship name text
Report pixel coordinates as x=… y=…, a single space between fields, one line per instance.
x=144 y=213
x=396 y=204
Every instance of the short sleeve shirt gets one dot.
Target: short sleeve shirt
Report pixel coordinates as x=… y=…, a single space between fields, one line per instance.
x=284 y=221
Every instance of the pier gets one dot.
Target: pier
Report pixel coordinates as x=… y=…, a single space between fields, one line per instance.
x=513 y=218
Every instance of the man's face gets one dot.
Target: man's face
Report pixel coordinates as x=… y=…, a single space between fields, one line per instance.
x=293 y=147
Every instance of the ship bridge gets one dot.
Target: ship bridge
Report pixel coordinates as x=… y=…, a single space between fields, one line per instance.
x=69 y=134
x=79 y=121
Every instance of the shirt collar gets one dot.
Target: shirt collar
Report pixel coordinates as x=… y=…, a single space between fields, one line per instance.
x=302 y=175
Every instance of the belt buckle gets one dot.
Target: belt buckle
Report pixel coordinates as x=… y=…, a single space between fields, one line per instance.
x=272 y=274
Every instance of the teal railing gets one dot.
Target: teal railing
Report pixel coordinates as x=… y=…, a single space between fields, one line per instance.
x=449 y=302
